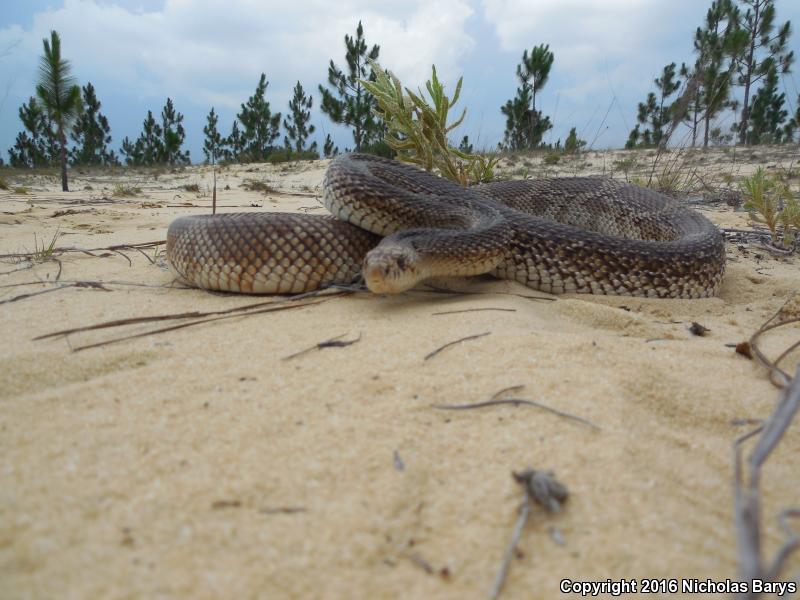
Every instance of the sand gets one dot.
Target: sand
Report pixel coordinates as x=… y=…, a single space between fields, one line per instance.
x=198 y=463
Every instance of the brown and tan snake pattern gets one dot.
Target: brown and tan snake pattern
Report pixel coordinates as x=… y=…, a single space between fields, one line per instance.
x=397 y=225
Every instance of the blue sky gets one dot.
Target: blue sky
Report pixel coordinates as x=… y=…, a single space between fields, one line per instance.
x=205 y=53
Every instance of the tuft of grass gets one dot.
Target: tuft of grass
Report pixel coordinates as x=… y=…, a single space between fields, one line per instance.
x=125 y=191
x=44 y=253
x=552 y=158
x=20 y=190
x=254 y=185
x=626 y=165
x=3 y=184
x=192 y=187
x=418 y=130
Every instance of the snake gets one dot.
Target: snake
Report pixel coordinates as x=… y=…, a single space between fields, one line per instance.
x=394 y=226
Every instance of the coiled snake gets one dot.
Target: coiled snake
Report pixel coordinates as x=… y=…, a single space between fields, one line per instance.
x=584 y=235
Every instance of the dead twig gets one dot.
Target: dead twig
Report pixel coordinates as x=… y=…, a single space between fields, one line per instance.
x=778 y=376
x=496 y=401
x=538 y=487
x=453 y=343
x=747 y=496
x=334 y=342
x=191 y=323
x=63 y=286
x=467 y=310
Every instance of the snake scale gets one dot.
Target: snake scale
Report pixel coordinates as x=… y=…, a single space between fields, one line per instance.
x=397 y=225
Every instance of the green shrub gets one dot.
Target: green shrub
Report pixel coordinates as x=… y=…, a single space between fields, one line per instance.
x=770 y=202
x=418 y=130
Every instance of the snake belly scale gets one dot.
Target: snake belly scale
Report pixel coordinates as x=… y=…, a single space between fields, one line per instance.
x=396 y=226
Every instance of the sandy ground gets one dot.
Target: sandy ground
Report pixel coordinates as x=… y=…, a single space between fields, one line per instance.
x=199 y=463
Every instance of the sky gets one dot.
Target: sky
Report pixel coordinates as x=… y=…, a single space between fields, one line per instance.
x=204 y=53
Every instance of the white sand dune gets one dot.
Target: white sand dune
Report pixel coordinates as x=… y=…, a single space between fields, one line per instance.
x=198 y=463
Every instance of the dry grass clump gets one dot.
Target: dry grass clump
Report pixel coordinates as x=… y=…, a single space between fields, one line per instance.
x=192 y=187
x=254 y=185
x=125 y=191
x=3 y=184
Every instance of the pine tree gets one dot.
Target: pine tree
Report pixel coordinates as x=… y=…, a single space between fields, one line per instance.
x=793 y=125
x=535 y=70
x=91 y=134
x=37 y=146
x=173 y=136
x=656 y=112
x=525 y=125
x=767 y=114
x=573 y=144
x=59 y=94
x=717 y=46
x=328 y=148
x=260 y=128
x=233 y=147
x=764 y=50
x=354 y=104
x=158 y=143
x=148 y=149
x=213 y=143
x=297 y=127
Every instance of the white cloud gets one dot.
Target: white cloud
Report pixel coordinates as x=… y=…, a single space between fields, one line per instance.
x=211 y=51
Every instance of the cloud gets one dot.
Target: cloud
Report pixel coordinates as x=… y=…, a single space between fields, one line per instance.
x=210 y=51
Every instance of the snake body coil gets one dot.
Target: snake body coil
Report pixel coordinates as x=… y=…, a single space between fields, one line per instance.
x=584 y=235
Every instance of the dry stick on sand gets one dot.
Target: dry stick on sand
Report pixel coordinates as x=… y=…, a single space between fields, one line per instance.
x=497 y=400
x=334 y=342
x=63 y=286
x=747 y=497
x=453 y=343
x=537 y=486
x=467 y=310
x=249 y=309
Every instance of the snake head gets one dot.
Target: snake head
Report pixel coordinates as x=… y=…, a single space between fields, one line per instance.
x=391 y=269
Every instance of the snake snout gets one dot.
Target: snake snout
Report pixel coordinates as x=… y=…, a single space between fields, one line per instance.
x=391 y=270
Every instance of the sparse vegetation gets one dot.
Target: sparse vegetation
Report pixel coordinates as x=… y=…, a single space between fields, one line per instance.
x=3 y=184
x=192 y=187
x=20 y=190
